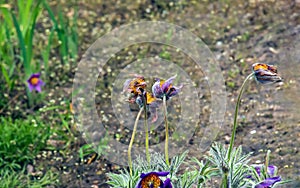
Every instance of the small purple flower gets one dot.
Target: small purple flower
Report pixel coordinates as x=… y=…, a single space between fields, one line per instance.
x=269 y=182
x=271 y=170
x=167 y=183
x=271 y=176
x=152 y=180
x=35 y=83
x=165 y=88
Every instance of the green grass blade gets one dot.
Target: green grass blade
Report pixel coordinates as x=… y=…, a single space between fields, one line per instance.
x=22 y=45
x=29 y=35
x=63 y=36
x=47 y=51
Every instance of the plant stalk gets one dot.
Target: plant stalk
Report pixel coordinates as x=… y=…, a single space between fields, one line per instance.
x=167 y=130
x=235 y=116
x=146 y=129
x=132 y=139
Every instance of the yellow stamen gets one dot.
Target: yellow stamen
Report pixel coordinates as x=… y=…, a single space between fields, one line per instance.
x=34 y=81
x=260 y=66
x=151 y=180
x=150 y=98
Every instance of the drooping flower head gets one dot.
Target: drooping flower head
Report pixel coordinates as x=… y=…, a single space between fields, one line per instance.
x=135 y=85
x=137 y=88
x=35 y=83
x=265 y=73
x=163 y=88
x=152 y=180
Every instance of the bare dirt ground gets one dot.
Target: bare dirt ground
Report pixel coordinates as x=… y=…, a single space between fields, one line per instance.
x=239 y=33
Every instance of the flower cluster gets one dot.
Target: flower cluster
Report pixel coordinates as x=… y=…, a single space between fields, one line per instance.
x=139 y=94
x=228 y=163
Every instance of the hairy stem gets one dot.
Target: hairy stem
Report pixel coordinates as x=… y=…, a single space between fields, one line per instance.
x=235 y=116
x=167 y=131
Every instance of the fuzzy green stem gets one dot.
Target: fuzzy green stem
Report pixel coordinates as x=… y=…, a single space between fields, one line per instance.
x=235 y=116
x=146 y=129
x=132 y=139
x=167 y=130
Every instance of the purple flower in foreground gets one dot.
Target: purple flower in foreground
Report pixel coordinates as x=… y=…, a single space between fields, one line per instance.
x=163 y=88
x=271 y=172
x=167 y=183
x=269 y=182
x=35 y=83
x=152 y=180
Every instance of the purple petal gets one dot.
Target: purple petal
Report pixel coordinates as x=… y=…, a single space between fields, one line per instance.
x=167 y=183
x=36 y=75
x=38 y=88
x=41 y=83
x=257 y=168
x=174 y=91
x=268 y=182
x=160 y=173
x=30 y=86
x=156 y=89
x=139 y=101
x=155 y=173
x=126 y=85
x=266 y=76
x=165 y=86
x=143 y=175
x=171 y=79
x=272 y=170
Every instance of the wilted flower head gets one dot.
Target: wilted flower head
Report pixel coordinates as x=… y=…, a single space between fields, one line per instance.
x=163 y=88
x=35 y=83
x=134 y=85
x=265 y=73
x=152 y=180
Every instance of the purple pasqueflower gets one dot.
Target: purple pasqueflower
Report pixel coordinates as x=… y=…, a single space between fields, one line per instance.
x=265 y=73
x=271 y=170
x=163 y=88
x=269 y=182
x=271 y=176
x=152 y=180
x=35 y=83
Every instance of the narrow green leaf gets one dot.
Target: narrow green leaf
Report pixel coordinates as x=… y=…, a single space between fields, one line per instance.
x=22 y=45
